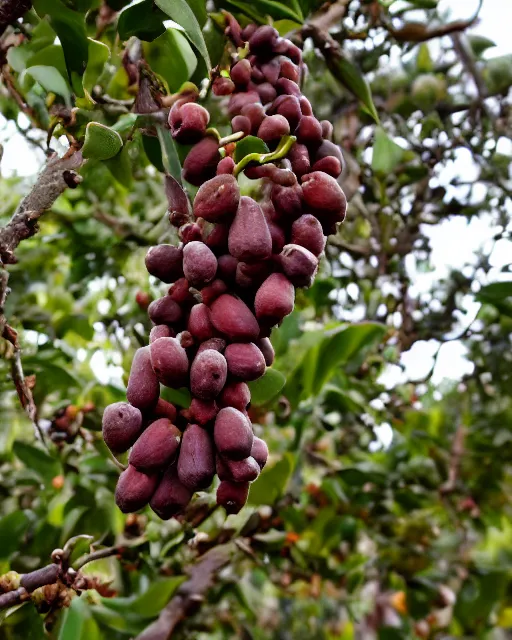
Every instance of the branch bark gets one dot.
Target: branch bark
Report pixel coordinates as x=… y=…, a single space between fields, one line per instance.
x=190 y=594
x=56 y=177
x=11 y=10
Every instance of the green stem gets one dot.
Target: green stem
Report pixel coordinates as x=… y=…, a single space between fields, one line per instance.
x=262 y=158
x=232 y=138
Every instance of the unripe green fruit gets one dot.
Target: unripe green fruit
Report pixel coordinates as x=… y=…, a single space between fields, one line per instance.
x=427 y=91
x=101 y=142
x=156 y=448
x=196 y=462
x=134 y=489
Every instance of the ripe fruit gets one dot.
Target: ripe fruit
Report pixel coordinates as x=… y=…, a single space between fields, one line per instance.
x=232 y=495
x=245 y=361
x=203 y=411
x=196 y=462
x=234 y=319
x=188 y=122
x=199 y=323
x=266 y=348
x=235 y=394
x=246 y=470
x=323 y=193
x=134 y=489
x=156 y=447
x=299 y=265
x=233 y=434
x=274 y=299
x=165 y=262
x=307 y=232
x=143 y=388
x=164 y=310
x=199 y=264
x=169 y=361
x=259 y=451
x=161 y=331
x=201 y=161
x=217 y=199
x=208 y=374
x=249 y=238
x=171 y=496
x=165 y=409
x=122 y=425
x=273 y=128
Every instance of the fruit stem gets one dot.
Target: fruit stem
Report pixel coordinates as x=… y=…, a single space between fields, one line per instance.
x=281 y=152
x=232 y=138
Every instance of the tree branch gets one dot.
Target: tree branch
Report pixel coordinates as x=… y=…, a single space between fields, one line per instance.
x=56 y=177
x=455 y=459
x=190 y=594
x=11 y=10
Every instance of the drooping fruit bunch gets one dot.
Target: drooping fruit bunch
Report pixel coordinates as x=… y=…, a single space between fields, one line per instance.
x=233 y=279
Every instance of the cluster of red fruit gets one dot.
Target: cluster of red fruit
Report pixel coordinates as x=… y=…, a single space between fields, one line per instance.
x=234 y=277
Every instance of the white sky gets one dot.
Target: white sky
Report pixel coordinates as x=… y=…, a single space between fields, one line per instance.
x=495 y=19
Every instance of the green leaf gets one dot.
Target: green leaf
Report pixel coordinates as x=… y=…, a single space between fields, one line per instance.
x=267 y=387
x=120 y=167
x=424 y=62
x=143 y=20
x=479 y=44
x=273 y=481
x=350 y=77
x=37 y=460
x=51 y=80
x=386 y=153
x=170 y=157
x=153 y=150
x=279 y=10
x=99 y=53
x=101 y=142
x=12 y=528
x=495 y=292
x=151 y=602
x=78 y=623
x=182 y=14
x=199 y=9
x=248 y=145
x=171 y=57
x=69 y=25
x=51 y=56
x=286 y=26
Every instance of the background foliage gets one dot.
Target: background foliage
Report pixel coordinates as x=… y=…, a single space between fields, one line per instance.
x=346 y=534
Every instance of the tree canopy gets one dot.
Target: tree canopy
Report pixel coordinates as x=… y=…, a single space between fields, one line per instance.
x=384 y=510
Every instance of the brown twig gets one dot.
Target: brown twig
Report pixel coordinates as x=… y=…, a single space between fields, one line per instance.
x=455 y=459
x=11 y=10
x=56 y=177
x=190 y=594
x=25 y=393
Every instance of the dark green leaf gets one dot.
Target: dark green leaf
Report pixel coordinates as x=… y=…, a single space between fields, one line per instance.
x=267 y=387
x=248 y=145
x=181 y=13
x=78 y=623
x=170 y=157
x=387 y=155
x=143 y=20
x=350 y=77
x=12 y=528
x=37 y=460
x=51 y=80
x=99 y=53
x=171 y=57
x=151 y=602
x=479 y=44
x=273 y=481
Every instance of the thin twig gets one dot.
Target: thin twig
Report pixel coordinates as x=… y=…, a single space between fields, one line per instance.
x=455 y=459
x=25 y=394
x=96 y=555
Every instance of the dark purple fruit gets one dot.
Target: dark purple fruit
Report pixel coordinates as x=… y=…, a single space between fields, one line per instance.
x=274 y=299
x=203 y=411
x=165 y=262
x=299 y=158
x=226 y=166
x=134 y=489
x=226 y=267
x=201 y=162
x=289 y=107
x=249 y=238
x=161 y=331
x=223 y=86
x=273 y=128
x=199 y=324
x=171 y=496
x=289 y=70
x=199 y=264
x=213 y=291
x=239 y=100
x=208 y=374
x=217 y=239
x=299 y=265
x=330 y=165
x=235 y=394
x=288 y=87
x=263 y=40
x=245 y=361
x=143 y=388
x=217 y=200
x=259 y=451
x=309 y=131
x=196 y=461
x=323 y=193
x=241 y=123
x=188 y=122
x=234 y=319
x=266 y=348
x=232 y=495
x=256 y=113
x=190 y=232
x=217 y=344
x=165 y=409
x=287 y=200
x=157 y=447
x=307 y=231
x=241 y=73
x=164 y=310
x=122 y=425
x=246 y=470
x=233 y=434
x=170 y=362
